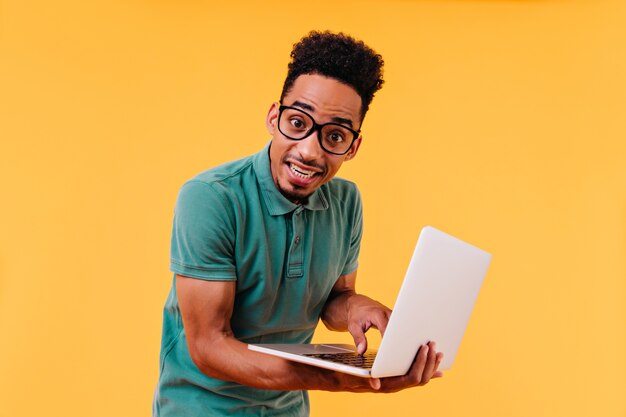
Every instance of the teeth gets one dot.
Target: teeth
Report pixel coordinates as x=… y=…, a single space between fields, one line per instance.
x=302 y=173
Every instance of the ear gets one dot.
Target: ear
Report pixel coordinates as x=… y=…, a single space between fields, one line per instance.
x=272 y=118
x=354 y=149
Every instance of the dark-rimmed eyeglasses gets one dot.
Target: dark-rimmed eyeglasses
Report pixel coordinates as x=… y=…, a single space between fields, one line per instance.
x=297 y=124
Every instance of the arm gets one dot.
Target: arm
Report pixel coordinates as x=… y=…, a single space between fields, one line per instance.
x=206 y=308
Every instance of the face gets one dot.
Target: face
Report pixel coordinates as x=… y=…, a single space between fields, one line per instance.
x=299 y=167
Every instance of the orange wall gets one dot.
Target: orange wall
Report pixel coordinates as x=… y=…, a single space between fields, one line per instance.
x=501 y=122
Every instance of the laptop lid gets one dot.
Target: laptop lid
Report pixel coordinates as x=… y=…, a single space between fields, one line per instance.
x=434 y=304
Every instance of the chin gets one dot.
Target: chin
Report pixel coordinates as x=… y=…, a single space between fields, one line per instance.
x=294 y=195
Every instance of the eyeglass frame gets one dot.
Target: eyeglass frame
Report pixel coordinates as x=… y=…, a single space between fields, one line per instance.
x=317 y=127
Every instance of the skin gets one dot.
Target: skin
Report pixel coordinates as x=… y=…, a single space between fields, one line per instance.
x=327 y=100
x=207 y=306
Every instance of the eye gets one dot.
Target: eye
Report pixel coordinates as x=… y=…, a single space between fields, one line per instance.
x=335 y=137
x=297 y=123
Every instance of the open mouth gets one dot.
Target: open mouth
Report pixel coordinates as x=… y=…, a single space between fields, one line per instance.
x=301 y=172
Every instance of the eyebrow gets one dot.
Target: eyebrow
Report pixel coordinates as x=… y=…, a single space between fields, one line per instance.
x=335 y=119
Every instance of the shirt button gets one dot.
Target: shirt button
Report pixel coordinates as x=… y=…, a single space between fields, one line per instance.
x=297 y=239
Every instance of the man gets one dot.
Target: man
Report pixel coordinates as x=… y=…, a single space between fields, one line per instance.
x=264 y=247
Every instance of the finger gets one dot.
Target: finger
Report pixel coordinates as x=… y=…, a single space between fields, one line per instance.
x=375 y=383
x=420 y=363
x=438 y=374
x=360 y=341
x=439 y=359
x=431 y=362
x=381 y=320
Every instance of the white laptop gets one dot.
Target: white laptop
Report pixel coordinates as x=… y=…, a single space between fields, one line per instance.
x=434 y=304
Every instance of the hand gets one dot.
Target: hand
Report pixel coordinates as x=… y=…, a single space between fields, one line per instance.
x=423 y=369
x=364 y=313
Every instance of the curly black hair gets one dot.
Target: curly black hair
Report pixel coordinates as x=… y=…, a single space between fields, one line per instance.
x=338 y=56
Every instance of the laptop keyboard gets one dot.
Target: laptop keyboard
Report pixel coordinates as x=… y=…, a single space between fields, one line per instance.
x=353 y=359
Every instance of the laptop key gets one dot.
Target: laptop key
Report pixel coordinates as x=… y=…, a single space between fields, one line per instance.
x=353 y=359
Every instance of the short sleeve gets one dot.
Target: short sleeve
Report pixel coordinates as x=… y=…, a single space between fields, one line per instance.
x=356 y=232
x=203 y=233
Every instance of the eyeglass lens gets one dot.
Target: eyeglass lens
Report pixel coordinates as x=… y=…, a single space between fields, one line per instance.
x=334 y=138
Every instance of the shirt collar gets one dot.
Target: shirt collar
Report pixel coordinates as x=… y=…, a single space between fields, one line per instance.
x=277 y=204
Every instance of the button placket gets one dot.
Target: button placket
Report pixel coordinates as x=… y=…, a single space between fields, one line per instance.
x=295 y=261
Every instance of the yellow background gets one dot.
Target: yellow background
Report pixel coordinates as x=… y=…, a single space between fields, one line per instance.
x=501 y=122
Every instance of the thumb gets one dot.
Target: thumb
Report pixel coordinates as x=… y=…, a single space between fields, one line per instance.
x=375 y=383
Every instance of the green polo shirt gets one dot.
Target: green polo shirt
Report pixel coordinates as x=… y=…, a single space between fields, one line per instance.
x=231 y=223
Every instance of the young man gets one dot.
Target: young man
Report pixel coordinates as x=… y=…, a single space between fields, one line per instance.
x=264 y=247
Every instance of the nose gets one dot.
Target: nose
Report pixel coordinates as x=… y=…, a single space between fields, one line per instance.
x=309 y=147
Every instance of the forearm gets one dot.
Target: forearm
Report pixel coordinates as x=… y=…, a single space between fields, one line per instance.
x=335 y=312
x=226 y=358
